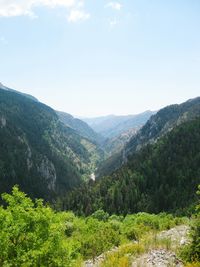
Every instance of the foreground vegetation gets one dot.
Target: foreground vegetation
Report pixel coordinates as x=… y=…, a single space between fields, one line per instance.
x=33 y=234
x=191 y=253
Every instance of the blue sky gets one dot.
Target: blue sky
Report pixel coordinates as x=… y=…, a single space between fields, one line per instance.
x=98 y=57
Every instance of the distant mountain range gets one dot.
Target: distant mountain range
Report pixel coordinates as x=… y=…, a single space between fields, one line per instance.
x=112 y=126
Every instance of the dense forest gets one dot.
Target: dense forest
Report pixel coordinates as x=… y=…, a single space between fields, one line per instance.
x=156 y=127
x=150 y=185
x=161 y=177
x=38 y=152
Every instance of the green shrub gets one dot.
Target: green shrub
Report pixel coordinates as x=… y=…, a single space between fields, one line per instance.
x=31 y=234
x=100 y=215
x=191 y=253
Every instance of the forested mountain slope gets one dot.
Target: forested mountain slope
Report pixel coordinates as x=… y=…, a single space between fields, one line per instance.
x=161 y=177
x=156 y=127
x=12 y=90
x=163 y=122
x=80 y=126
x=37 y=151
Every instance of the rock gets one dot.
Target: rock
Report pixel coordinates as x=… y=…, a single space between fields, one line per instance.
x=2 y=121
x=47 y=170
x=162 y=257
x=158 y=258
x=178 y=234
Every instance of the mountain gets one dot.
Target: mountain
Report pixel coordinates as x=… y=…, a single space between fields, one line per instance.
x=80 y=126
x=116 y=144
x=157 y=126
x=17 y=92
x=163 y=122
x=112 y=126
x=38 y=152
x=162 y=176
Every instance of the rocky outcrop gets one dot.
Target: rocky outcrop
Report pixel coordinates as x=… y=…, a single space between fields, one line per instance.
x=178 y=236
x=3 y=122
x=158 y=258
x=47 y=170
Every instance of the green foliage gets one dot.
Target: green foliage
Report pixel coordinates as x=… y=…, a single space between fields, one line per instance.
x=32 y=234
x=80 y=126
x=101 y=238
x=38 y=152
x=191 y=252
x=122 y=257
x=100 y=215
x=156 y=127
x=161 y=177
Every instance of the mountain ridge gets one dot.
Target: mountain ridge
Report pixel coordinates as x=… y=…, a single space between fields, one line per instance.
x=3 y=87
x=113 y=125
x=157 y=126
x=38 y=152
x=161 y=177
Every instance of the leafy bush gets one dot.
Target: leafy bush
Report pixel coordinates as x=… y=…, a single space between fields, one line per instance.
x=191 y=252
x=100 y=215
x=31 y=234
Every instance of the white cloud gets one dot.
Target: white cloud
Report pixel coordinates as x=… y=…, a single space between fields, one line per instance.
x=11 y=8
x=76 y=15
x=114 y=5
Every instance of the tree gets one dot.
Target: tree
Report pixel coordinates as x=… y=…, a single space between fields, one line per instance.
x=31 y=234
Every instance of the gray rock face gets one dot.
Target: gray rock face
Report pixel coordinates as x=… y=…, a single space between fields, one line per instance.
x=3 y=122
x=47 y=170
x=162 y=257
x=158 y=258
x=178 y=235
x=29 y=155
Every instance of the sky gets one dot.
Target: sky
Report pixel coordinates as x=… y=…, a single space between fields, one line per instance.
x=98 y=57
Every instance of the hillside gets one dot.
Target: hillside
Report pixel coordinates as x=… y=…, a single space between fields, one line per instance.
x=161 y=177
x=116 y=144
x=156 y=127
x=80 y=126
x=163 y=122
x=38 y=152
x=17 y=92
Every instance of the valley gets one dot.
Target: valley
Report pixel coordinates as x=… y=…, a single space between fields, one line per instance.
x=116 y=191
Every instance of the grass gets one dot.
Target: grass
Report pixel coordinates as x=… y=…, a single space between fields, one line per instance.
x=127 y=253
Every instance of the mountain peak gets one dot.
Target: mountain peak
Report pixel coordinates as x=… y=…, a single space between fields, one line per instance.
x=3 y=87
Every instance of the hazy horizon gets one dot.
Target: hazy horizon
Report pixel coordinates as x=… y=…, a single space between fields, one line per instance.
x=100 y=114
x=91 y=59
